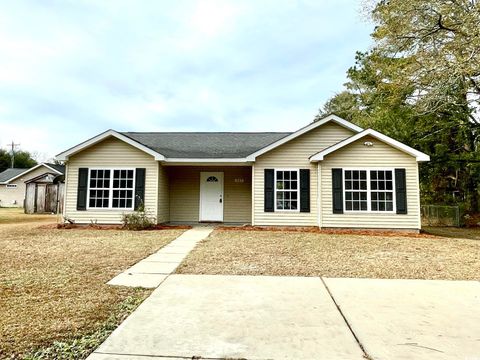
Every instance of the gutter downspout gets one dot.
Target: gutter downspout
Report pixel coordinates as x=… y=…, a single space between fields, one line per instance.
x=319 y=195
x=253 y=194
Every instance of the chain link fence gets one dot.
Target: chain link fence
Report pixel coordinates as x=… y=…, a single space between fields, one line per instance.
x=440 y=215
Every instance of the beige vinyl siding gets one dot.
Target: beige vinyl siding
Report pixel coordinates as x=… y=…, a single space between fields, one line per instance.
x=379 y=155
x=15 y=197
x=295 y=154
x=109 y=153
x=185 y=193
x=163 y=212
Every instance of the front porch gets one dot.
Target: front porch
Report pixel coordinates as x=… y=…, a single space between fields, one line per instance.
x=192 y=194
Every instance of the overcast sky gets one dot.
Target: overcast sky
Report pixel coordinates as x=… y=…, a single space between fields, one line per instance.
x=72 y=69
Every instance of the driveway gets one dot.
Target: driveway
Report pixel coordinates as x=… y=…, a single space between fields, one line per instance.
x=263 y=317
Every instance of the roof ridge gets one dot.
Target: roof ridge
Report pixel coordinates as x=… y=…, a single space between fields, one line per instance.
x=205 y=132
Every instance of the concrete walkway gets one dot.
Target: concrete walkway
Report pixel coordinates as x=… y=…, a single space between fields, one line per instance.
x=412 y=319
x=265 y=317
x=151 y=271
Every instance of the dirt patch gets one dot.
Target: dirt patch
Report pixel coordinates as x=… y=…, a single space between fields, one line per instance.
x=296 y=253
x=317 y=230
x=68 y=226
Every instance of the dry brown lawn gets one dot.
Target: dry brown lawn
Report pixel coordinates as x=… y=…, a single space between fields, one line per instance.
x=334 y=255
x=452 y=232
x=52 y=282
x=16 y=216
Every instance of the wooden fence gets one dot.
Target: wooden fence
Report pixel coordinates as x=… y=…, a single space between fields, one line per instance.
x=44 y=198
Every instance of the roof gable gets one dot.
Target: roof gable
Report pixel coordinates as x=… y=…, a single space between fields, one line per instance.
x=109 y=133
x=375 y=134
x=310 y=127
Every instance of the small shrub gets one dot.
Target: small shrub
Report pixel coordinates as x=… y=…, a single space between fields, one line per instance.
x=138 y=220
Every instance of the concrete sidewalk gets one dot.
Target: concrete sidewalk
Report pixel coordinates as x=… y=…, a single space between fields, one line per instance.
x=151 y=271
x=266 y=317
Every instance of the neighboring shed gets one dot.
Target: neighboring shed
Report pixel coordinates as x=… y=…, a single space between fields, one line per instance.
x=44 y=194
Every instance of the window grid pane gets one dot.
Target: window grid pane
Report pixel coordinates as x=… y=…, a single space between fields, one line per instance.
x=122 y=194
x=381 y=185
x=99 y=191
x=355 y=183
x=286 y=189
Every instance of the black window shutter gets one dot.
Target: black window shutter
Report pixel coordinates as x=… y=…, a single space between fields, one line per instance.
x=337 y=191
x=269 y=190
x=304 y=190
x=82 y=189
x=401 y=191
x=139 y=187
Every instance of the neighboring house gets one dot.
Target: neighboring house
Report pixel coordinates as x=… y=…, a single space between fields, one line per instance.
x=330 y=174
x=12 y=182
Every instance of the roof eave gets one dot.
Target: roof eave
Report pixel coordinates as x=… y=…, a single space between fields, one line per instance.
x=207 y=161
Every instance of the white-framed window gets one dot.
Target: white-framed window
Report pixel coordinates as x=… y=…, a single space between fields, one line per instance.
x=369 y=190
x=111 y=188
x=11 y=186
x=287 y=196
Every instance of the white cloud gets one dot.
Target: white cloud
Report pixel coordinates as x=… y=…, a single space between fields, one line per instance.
x=69 y=70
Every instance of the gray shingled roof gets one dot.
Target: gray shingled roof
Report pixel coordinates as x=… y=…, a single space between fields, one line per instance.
x=205 y=145
x=10 y=173
x=60 y=168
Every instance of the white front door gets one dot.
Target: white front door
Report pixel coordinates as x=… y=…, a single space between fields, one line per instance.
x=211 y=196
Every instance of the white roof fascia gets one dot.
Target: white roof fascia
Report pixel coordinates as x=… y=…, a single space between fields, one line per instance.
x=384 y=138
x=66 y=154
x=314 y=125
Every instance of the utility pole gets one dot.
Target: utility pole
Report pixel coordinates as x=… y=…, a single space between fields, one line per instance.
x=12 y=153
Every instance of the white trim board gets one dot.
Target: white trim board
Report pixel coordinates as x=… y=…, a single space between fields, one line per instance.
x=370 y=132
x=205 y=160
x=314 y=125
x=96 y=139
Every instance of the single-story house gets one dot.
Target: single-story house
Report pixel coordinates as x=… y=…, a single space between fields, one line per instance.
x=12 y=182
x=330 y=173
